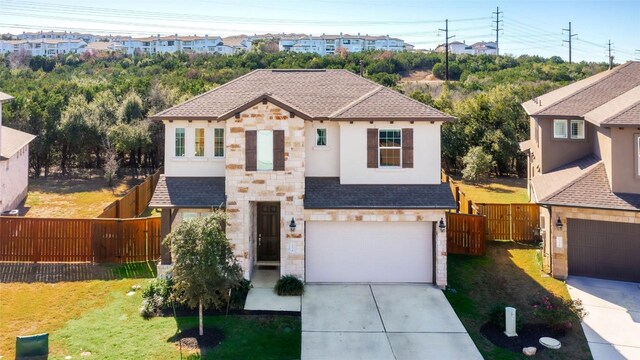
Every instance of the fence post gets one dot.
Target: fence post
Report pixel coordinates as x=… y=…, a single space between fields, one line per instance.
x=510 y=214
x=470 y=207
x=458 y=199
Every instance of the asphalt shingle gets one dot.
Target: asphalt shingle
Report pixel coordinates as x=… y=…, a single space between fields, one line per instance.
x=189 y=192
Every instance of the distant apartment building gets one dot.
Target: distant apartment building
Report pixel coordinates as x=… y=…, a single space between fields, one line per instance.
x=478 y=48
x=43 y=47
x=329 y=44
x=57 y=35
x=169 y=44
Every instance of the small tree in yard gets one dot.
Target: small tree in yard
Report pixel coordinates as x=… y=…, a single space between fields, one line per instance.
x=205 y=267
x=110 y=166
x=477 y=164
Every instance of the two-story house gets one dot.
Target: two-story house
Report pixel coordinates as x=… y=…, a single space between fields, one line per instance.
x=325 y=174
x=584 y=171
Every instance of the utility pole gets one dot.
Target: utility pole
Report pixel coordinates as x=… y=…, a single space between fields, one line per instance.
x=497 y=29
x=446 y=48
x=610 y=57
x=569 y=41
x=361 y=65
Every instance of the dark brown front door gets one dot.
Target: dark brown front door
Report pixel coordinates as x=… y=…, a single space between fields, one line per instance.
x=268 y=231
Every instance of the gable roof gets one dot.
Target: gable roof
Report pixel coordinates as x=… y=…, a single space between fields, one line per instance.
x=188 y=192
x=547 y=184
x=319 y=94
x=12 y=141
x=5 y=97
x=585 y=96
x=592 y=190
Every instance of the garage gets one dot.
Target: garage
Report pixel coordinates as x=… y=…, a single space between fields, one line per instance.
x=603 y=249
x=375 y=252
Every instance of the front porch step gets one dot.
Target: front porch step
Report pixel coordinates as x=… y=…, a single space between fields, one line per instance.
x=265 y=299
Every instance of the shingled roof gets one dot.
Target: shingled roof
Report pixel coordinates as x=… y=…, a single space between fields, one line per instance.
x=600 y=99
x=188 y=192
x=311 y=94
x=328 y=193
x=12 y=141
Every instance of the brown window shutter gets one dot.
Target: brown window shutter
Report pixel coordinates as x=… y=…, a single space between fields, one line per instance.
x=251 y=149
x=372 y=148
x=407 y=148
x=278 y=150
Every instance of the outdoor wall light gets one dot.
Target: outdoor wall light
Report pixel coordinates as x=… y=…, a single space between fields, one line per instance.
x=292 y=225
x=559 y=224
x=441 y=225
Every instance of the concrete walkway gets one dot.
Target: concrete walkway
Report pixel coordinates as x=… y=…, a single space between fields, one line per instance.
x=381 y=322
x=262 y=298
x=612 y=324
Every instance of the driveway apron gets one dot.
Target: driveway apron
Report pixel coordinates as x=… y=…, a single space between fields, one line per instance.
x=394 y=321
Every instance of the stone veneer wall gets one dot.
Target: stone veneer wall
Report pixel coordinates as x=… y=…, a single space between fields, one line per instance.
x=245 y=188
x=560 y=266
x=440 y=247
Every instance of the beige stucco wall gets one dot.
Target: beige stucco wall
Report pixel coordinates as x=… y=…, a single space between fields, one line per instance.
x=322 y=161
x=559 y=262
x=245 y=188
x=14 y=179
x=624 y=167
x=353 y=155
x=392 y=216
x=602 y=148
x=553 y=153
x=190 y=165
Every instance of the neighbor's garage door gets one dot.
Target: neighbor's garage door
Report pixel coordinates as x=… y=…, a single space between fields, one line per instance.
x=603 y=249
x=369 y=252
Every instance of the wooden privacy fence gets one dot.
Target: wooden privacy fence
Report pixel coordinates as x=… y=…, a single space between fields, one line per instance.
x=518 y=222
x=135 y=202
x=466 y=234
x=79 y=240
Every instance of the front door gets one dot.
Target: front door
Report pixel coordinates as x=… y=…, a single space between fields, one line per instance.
x=268 y=231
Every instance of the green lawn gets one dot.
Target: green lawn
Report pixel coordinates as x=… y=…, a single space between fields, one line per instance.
x=496 y=190
x=510 y=274
x=98 y=316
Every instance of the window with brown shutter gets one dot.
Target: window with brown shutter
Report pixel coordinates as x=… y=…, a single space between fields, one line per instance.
x=372 y=148
x=251 y=147
x=407 y=148
x=278 y=150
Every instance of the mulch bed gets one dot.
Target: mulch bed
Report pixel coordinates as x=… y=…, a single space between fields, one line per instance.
x=529 y=335
x=190 y=340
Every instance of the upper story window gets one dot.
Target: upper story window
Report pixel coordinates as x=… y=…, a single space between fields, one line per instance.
x=179 y=141
x=218 y=142
x=171 y=43
x=321 y=137
x=577 y=129
x=560 y=129
x=199 y=142
x=390 y=148
x=265 y=150
x=565 y=129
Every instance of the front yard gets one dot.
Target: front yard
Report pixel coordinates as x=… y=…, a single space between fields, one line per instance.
x=98 y=316
x=509 y=274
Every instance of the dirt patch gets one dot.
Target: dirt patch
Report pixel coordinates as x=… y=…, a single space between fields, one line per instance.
x=529 y=335
x=420 y=77
x=191 y=341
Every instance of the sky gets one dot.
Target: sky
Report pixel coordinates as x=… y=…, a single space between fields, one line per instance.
x=527 y=27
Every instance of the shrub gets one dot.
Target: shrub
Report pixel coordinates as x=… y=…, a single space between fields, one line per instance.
x=556 y=312
x=497 y=317
x=477 y=164
x=239 y=294
x=289 y=285
x=156 y=297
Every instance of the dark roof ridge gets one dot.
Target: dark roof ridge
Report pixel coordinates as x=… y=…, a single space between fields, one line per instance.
x=621 y=112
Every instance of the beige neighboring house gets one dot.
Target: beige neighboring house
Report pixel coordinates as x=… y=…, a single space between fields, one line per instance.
x=584 y=171
x=14 y=163
x=323 y=173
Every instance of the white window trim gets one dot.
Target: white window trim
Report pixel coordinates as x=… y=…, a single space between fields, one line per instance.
x=326 y=139
x=184 y=143
x=637 y=137
x=195 y=142
x=224 y=139
x=258 y=150
x=566 y=129
x=380 y=166
x=584 y=130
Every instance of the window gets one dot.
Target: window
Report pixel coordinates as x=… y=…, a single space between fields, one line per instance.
x=171 y=43
x=638 y=155
x=180 y=142
x=560 y=129
x=265 y=150
x=218 y=142
x=199 y=142
x=390 y=148
x=189 y=216
x=321 y=137
x=577 y=129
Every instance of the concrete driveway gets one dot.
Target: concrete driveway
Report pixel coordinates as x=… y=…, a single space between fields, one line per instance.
x=612 y=325
x=381 y=322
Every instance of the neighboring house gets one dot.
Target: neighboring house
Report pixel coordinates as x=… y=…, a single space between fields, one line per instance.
x=584 y=171
x=455 y=47
x=479 y=48
x=14 y=163
x=327 y=175
x=174 y=43
x=43 y=47
x=484 y=48
x=328 y=44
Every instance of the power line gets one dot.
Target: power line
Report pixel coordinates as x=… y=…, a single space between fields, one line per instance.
x=446 y=48
x=569 y=41
x=497 y=29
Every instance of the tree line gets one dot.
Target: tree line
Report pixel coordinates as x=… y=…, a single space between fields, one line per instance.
x=91 y=111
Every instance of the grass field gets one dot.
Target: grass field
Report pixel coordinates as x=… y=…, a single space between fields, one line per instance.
x=72 y=198
x=509 y=274
x=496 y=190
x=98 y=317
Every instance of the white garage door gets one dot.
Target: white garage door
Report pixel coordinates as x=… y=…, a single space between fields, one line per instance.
x=369 y=251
